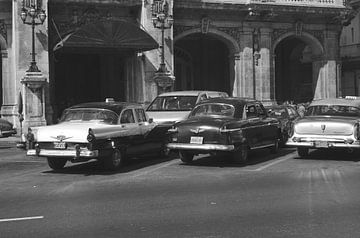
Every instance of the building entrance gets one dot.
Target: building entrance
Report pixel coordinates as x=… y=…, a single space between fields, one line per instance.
x=202 y=63
x=293 y=71
x=85 y=77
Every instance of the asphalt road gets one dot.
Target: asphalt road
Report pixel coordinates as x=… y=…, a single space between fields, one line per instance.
x=272 y=196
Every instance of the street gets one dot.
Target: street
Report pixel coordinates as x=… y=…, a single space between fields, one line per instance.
x=272 y=196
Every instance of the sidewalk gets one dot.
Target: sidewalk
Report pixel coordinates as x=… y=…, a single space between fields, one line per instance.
x=9 y=141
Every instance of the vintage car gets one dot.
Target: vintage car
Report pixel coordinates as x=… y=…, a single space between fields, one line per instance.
x=168 y=108
x=287 y=115
x=328 y=123
x=108 y=131
x=231 y=125
x=6 y=128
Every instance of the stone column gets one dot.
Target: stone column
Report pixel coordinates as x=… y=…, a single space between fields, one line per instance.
x=236 y=89
x=325 y=71
x=33 y=91
x=245 y=66
x=263 y=80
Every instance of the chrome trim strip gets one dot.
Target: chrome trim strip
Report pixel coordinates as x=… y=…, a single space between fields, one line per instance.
x=186 y=146
x=64 y=153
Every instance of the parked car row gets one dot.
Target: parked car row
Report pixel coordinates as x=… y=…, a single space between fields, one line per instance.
x=192 y=123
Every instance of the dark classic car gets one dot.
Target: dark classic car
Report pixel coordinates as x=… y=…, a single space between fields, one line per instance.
x=233 y=125
x=6 y=128
x=328 y=123
x=108 y=131
x=287 y=115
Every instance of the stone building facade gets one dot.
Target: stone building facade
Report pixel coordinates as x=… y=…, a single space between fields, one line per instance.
x=273 y=50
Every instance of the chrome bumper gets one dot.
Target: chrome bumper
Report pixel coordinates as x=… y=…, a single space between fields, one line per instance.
x=207 y=147
x=64 y=153
x=311 y=144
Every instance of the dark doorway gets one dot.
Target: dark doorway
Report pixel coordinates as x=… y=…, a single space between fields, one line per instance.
x=87 y=77
x=293 y=71
x=202 y=63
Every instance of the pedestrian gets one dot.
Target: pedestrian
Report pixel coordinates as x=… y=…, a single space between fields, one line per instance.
x=301 y=110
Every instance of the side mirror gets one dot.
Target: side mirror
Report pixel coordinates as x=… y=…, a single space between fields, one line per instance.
x=151 y=120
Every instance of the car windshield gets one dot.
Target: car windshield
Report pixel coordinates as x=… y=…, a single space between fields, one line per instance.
x=277 y=112
x=213 y=109
x=333 y=110
x=98 y=115
x=173 y=103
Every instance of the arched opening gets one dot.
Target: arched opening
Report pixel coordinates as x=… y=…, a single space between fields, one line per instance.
x=293 y=71
x=202 y=63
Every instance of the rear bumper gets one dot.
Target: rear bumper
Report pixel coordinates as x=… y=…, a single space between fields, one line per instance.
x=202 y=147
x=324 y=144
x=64 y=153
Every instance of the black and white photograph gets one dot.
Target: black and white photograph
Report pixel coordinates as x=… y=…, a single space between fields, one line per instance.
x=179 y=118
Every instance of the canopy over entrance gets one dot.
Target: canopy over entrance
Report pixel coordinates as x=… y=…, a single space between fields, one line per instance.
x=114 y=34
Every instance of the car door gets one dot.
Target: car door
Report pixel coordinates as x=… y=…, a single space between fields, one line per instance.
x=253 y=131
x=267 y=124
x=132 y=132
x=149 y=141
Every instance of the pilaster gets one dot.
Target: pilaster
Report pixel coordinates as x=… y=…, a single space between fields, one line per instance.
x=245 y=65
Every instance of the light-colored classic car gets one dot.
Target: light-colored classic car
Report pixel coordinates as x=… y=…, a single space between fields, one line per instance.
x=108 y=131
x=168 y=108
x=225 y=125
x=328 y=123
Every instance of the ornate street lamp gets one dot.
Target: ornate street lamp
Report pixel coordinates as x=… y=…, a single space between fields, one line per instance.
x=162 y=20
x=33 y=10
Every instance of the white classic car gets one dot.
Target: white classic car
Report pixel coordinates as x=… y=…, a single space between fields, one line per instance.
x=168 y=108
x=108 y=131
x=328 y=123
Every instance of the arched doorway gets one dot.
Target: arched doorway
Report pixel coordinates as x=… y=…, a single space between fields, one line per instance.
x=202 y=63
x=293 y=71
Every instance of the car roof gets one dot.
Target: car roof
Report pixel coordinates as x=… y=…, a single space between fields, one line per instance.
x=337 y=101
x=113 y=106
x=229 y=100
x=189 y=93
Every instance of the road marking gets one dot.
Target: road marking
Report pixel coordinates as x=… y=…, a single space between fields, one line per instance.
x=289 y=156
x=147 y=171
x=21 y=218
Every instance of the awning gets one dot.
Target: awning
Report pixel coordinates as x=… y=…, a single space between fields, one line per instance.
x=113 y=34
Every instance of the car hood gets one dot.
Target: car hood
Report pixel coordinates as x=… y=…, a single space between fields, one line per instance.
x=69 y=131
x=168 y=116
x=326 y=125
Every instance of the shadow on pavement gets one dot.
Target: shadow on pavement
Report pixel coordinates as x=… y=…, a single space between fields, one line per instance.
x=331 y=154
x=255 y=157
x=95 y=167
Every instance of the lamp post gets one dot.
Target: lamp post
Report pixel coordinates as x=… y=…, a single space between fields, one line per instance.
x=161 y=20
x=32 y=9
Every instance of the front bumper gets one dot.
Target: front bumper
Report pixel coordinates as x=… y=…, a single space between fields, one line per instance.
x=202 y=147
x=64 y=153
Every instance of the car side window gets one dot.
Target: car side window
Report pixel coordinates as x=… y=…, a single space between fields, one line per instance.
x=251 y=111
x=127 y=116
x=140 y=115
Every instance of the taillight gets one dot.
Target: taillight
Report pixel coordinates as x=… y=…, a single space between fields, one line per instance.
x=357 y=131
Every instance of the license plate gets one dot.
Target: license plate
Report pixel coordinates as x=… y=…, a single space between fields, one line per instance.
x=196 y=140
x=59 y=145
x=321 y=144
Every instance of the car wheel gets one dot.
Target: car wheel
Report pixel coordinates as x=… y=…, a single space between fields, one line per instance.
x=115 y=160
x=275 y=148
x=186 y=157
x=56 y=163
x=302 y=152
x=241 y=155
